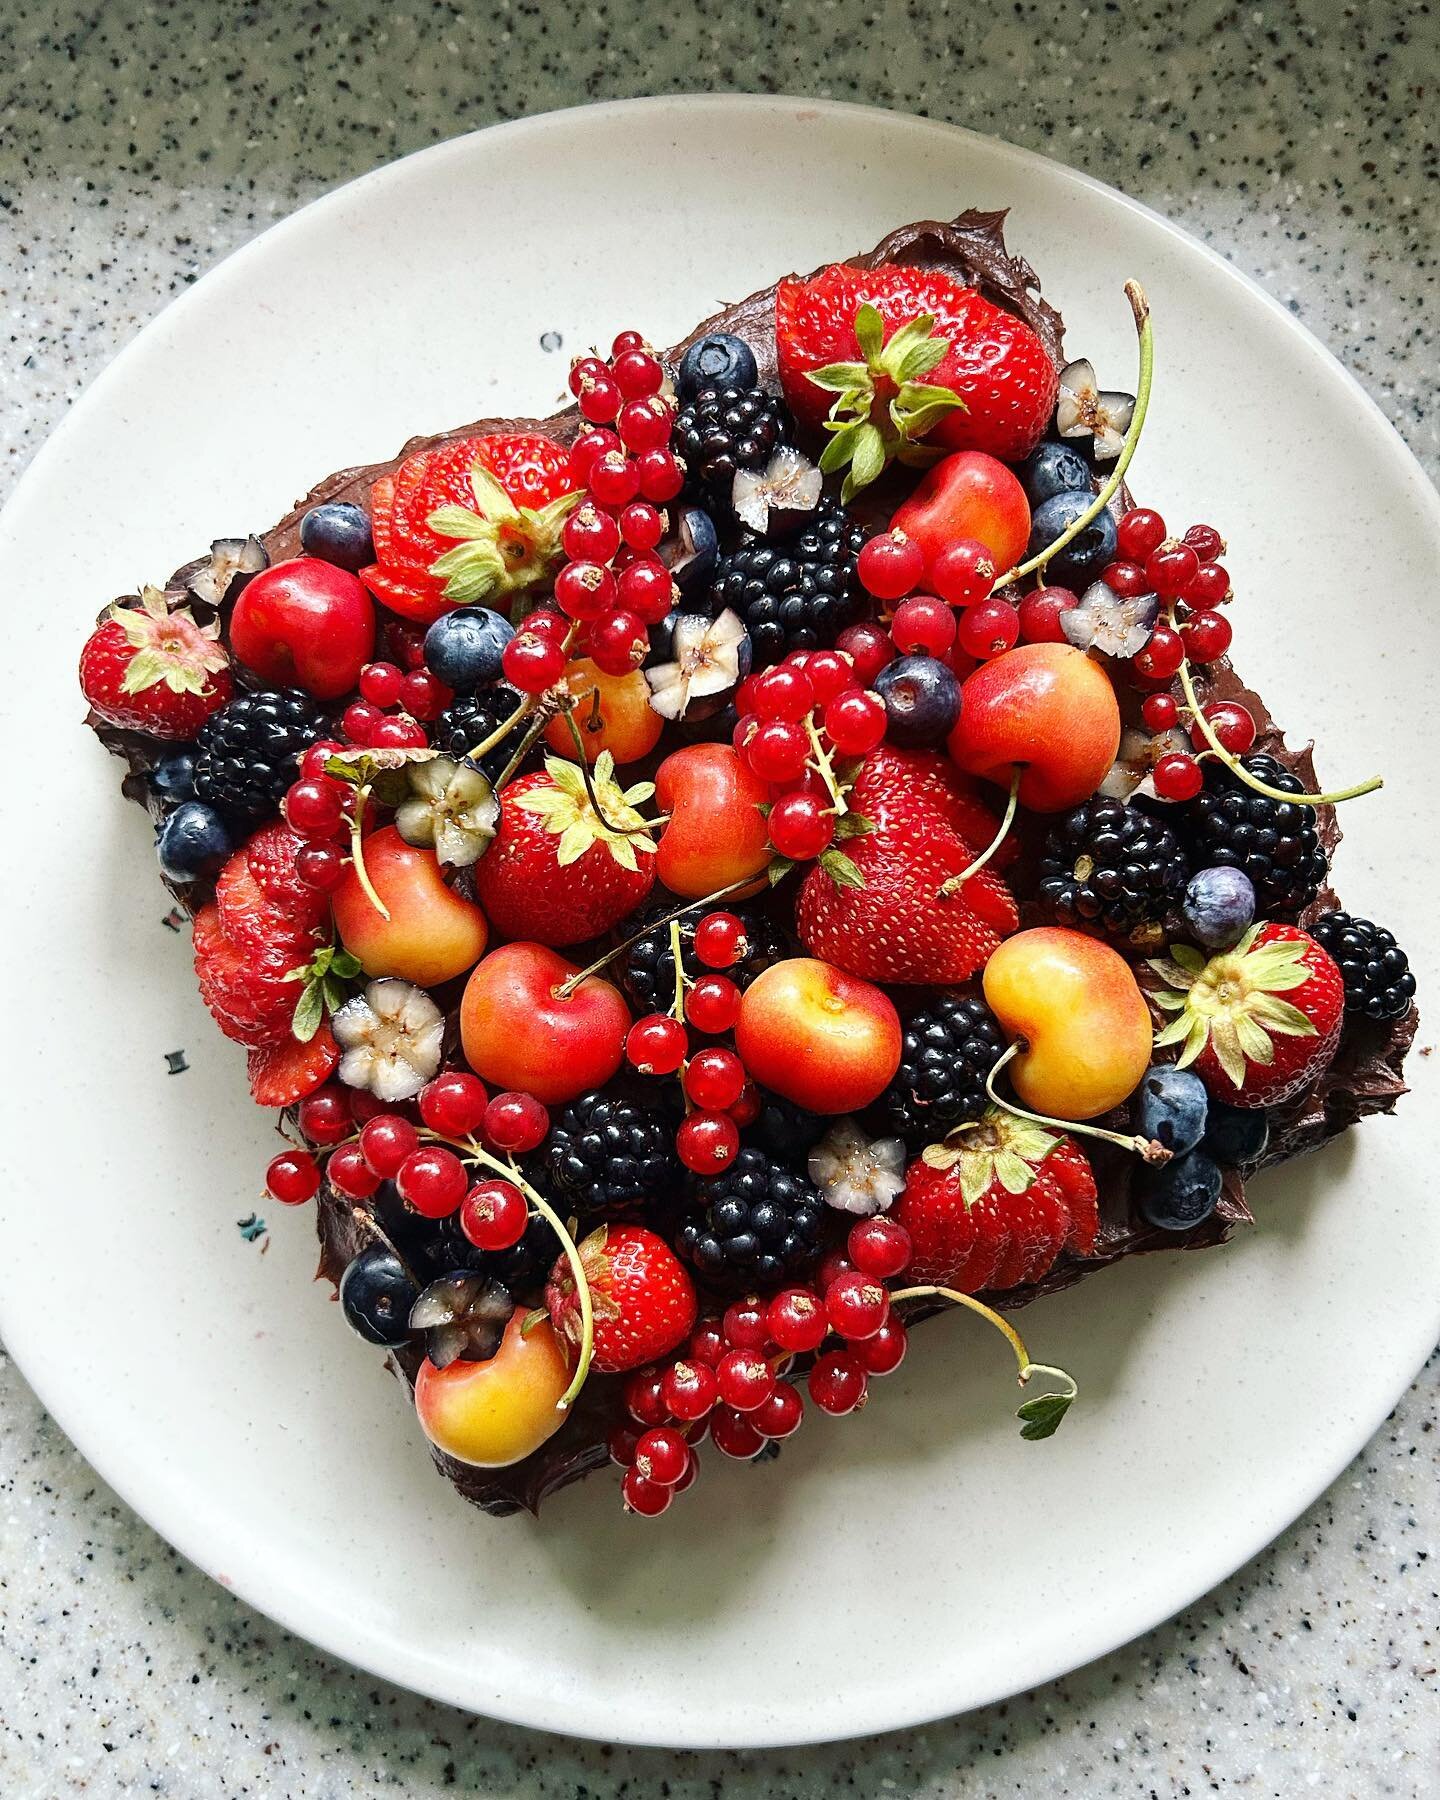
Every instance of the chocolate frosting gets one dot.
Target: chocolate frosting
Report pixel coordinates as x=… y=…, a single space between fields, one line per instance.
x=1364 y=1077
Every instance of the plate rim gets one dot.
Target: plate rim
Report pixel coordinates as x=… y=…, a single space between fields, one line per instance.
x=376 y=1653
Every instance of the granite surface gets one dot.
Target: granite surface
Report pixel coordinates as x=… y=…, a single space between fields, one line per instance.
x=141 y=143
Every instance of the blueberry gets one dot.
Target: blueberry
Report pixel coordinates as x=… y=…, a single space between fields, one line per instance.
x=376 y=1295
x=173 y=778
x=1171 y=1107
x=338 y=533
x=922 y=700
x=1236 y=1135
x=1180 y=1195
x=464 y=648
x=1219 y=906
x=1084 y=556
x=1054 y=469
x=718 y=360
x=691 y=554
x=192 y=841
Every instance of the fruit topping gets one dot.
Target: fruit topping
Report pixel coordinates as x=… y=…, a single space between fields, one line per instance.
x=795 y=596
x=1378 y=982
x=194 y=840
x=1218 y=906
x=452 y=809
x=463 y=1316
x=1115 y=624
x=146 y=668
x=857 y=1174
x=232 y=563
x=1083 y=411
x=489 y=718
x=922 y=701
x=948 y=1048
x=1171 y=1106
x=648 y=969
x=465 y=648
x=377 y=1292
x=607 y=1153
x=1108 y=864
x=1180 y=1196
x=390 y=1039
x=246 y=754
x=1087 y=553
x=1236 y=1135
x=758 y=1224
x=717 y=360
x=306 y=624
x=728 y=431
x=1274 y=842
x=779 y=498
x=287 y=1069
x=706 y=661
x=338 y=532
x=644 y=1300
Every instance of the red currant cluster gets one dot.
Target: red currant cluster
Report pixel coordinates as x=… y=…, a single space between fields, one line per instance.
x=371 y=722
x=731 y=1379
x=317 y=806
x=961 y=622
x=793 y=718
x=368 y=1143
x=613 y=585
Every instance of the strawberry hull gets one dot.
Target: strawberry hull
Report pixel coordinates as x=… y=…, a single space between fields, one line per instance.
x=1364 y=1078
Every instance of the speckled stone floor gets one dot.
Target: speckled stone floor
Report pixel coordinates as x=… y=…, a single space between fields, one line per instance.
x=140 y=144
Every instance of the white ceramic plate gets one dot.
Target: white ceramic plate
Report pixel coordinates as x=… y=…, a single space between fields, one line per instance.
x=911 y=1562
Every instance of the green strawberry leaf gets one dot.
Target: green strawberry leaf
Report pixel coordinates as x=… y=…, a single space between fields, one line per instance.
x=1040 y=1417
x=309 y=1011
x=841 y=870
x=779 y=867
x=852 y=825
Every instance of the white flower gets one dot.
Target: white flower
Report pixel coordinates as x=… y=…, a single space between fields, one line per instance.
x=391 y=1036
x=856 y=1174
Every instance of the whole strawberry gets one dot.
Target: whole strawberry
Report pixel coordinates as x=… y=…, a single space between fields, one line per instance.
x=643 y=1299
x=1258 y=1022
x=900 y=355
x=996 y=1204
x=893 y=785
x=477 y=518
x=148 y=669
x=559 y=872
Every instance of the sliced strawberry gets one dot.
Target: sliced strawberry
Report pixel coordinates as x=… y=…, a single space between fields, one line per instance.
x=262 y=932
x=382 y=505
x=893 y=784
x=286 y=1071
x=250 y=1003
x=270 y=855
x=1068 y=1164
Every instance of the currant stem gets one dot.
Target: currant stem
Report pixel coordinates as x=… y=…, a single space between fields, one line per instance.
x=1025 y=1368
x=677 y=1011
x=571 y=982
x=525 y=746
x=1140 y=307
x=357 y=852
x=370 y=1224
x=826 y=768
x=956 y=882
x=1150 y=1149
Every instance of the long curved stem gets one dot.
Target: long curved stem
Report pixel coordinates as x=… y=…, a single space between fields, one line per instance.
x=502 y=730
x=1151 y=1149
x=571 y=982
x=587 y=776
x=956 y=882
x=1025 y=1368
x=357 y=852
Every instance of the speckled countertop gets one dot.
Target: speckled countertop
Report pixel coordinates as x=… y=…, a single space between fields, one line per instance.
x=143 y=143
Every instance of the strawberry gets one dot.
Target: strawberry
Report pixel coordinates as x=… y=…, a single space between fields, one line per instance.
x=996 y=1204
x=897 y=355
x=643 y=1299
x=286 y=1071
x=557 y=872
x=271 y=858
x=148 y=669
x=250 y=938
x=1258 y=1022
x=909 y=779
x=477 y=518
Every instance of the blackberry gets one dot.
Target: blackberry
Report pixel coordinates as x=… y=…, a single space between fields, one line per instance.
x=470 y=718
x=1107 y=864
x=246 y=754
x=724 y=429
x=648 y=971
x=758 y=1225
x=607 y=1153
x=947 y=1050
x=797 y=596
x=1378 y=982
x=786 y=1131
x=1274 y=841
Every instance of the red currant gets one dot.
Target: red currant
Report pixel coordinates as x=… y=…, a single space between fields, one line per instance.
x=532 y=663
x=380 y=683
x=424 y=695
x=1233 y=724
x=545 y=622
x=714 y=1079
x=660 y=475
x=349 y=1174
x=713 y=1004
x=748 y=1107
x=584 y=369
x=879 y=1247
x=856 y=1305
x=494 y=1215
x=707 y=1142
x=785 y=692
x=869 y=648
x=647 y=1498
x=619 y=643
x=782 y=1415
x=883 y=1353
x=1162 y=656
x=324 y=1116
x=802 y=826
x=855 y=721
x=1139 y=532
x=1161 y=712
x=746 y=1324
x=515 y=1122
x=397 y=732
x=1178 y=777
x=599 y=398
x=585 y=590
x=1207 y=635
x=662 y=1455
x=316 y=809
x=707 y=1342
x=645 y=1398
x=656 y=1045
x=923 y=625
x=614 y=479
x=829 y=673
x=636 y=372
x=320 y=866
x=988 y=629
x=293 y=1177
x=720 y=940
x=1127 y=579
x=642 y=525
x=312 y=763
x=454 y=1103
x=1170 y=568
x=688 y=1390
x=645 y=424
x=1206 y=542
x=837 y=1383
x=777 y=750
x=587 y=450
x=647 y=590
x=833 y=1264
x=358 y=720
x=1041 y=613
x=386 y=1142
x=1210 y=587
x=889 y=565
x=964 y=572
x=733 y=1434
x=745 y=1379
x=431 y=1181
x=796 y=1320
x=590 y=535
x=621 y=1445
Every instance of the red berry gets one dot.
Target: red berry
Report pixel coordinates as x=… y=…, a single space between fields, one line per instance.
x=781 y=1415
x=797 y=1321
x=1233 y=724
x=1139 y=532
x=832 y=1265
x=386 y=1142
x=656 y=1045
x=747 y=1108
x=585 y=590
x=856 y=1305
x=688 y=1390
x=1041 y=613
x=829 y=674
x=883 y=1353
x=713 y=1004
x=584 y=369
x=647 y=1498
x=687 y=1480
x=644 y=424
x=707 y=1142
x=636 y=372
x=645 y=1400
x=988 y=629
x=424 y=695
x=662 y=1455
x=619 y=643
x=1162 y=656
x=545 y=622
x=316 y=809
x=614 y=480
x=1206 y=542
x=714 y=1079
x=647 y=590
x=621 y=1445
x=515 y=1122
x=785 y=692
x=380 y=683
x=1161 y=712
x=454 y=1103
x=855 y=721
x=745 y=1379
x=1127 y=579
x=324 y=1116
x=293 y=1177
x=837 y=1383
x=801 y=826
x=869 y=648
x=923 y=625
x=1171 y=568
x=349 y=1174
x=312 y=763
x=397 y=732
x=626 y=340
x=1206 y=635
x=879 y=1247
x=587 y=450
x=532 y=663
x=358 y=721
x=964 y=572
x=1211 y=586
x=733 y=1434
x=720 y=940
x=590 y=534
x=660 y=474
x=777 y=751
x=320 y=866
x=493 y=1215
x=599 y=398
x=431 y=1181
x=707 y=1342
x=1178 y=777
x=642 y=525
x=746 y=1324
x=889 y=565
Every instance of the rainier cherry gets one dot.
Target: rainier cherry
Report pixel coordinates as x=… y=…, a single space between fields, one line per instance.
x=293 y=1177
x=656 y=1045
x=493 y=1215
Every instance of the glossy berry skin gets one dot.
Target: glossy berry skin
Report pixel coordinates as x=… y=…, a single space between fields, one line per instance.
x=837 y=1383
x=777 y=750
x=922 y=701
x=642 y=525
x=515 y=1122
x=293 y=1178
x=173 y=778
x=708 y=1342
x=890 y=565
x=194 y=840
x=1052 y=469
x=618 y=643
x=376 y=1295
x=659 y=476
x=316 y=809
x=1160 y=712
x=386 y=1141
x=855 y=721
x=1125 y=579
x=585 y=590
x=1140 y=531
x=453 y=1103
x=320 y=866
x=1237 y=1136
x=1205 y=541
x=707 y=1142
x=1233 y=724
x=719 y=940
x=718 y=359
x=713 y=1005
x=494 y=1215
x=879 y=1247
x=781 y=1415
x=590 y=534
x=1041 y=612
x=1209 y=587
x=744 y=1379
x=797 y=1320
x=883 y=1353
x=431 y=1181
x=531 y=664
x=964 y=572
x=614 y=479
x=661 y=1454
x=869 y=648
x=714 y=1079
x=1178 y=777
x=688 y=1390
x=1207 y=635
x=1181 y=1195
x=735 y=1435
x=338 y=532
x=856 y=1305
x=1170 y=568
x=1171 y=1106
x=466 y=648
x=1219 y=906
x=656 y=1045
x=801 y=826
x=324 y=1116
x=923 y=625
x=644 y=1398
x=1082 y=559
x=746 y=1324
x=349 y=1174
x=304 y=623
x=1162 y=656
x=989 y=630
x=636 y=372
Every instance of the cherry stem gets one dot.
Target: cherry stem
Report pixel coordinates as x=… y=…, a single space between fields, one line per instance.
x=357 y=851
x=826 y=768
x=1150 y=1149
x=640 y=830
x=1140 y=307
x=571 y=982
x=956 y=882
x=502 y=730
x=1238 y=769
x=1025 y=1367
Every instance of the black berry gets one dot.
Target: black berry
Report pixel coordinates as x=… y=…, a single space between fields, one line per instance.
x=758 y=1224
x=470 y=719
x=947 y=1050
x=648 y=971
x=797 y=596
x=248 y=752
x=1273 y=841
x=724 y=429
x=1378 y=981
x=1107 y=864
x=608 y=1154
